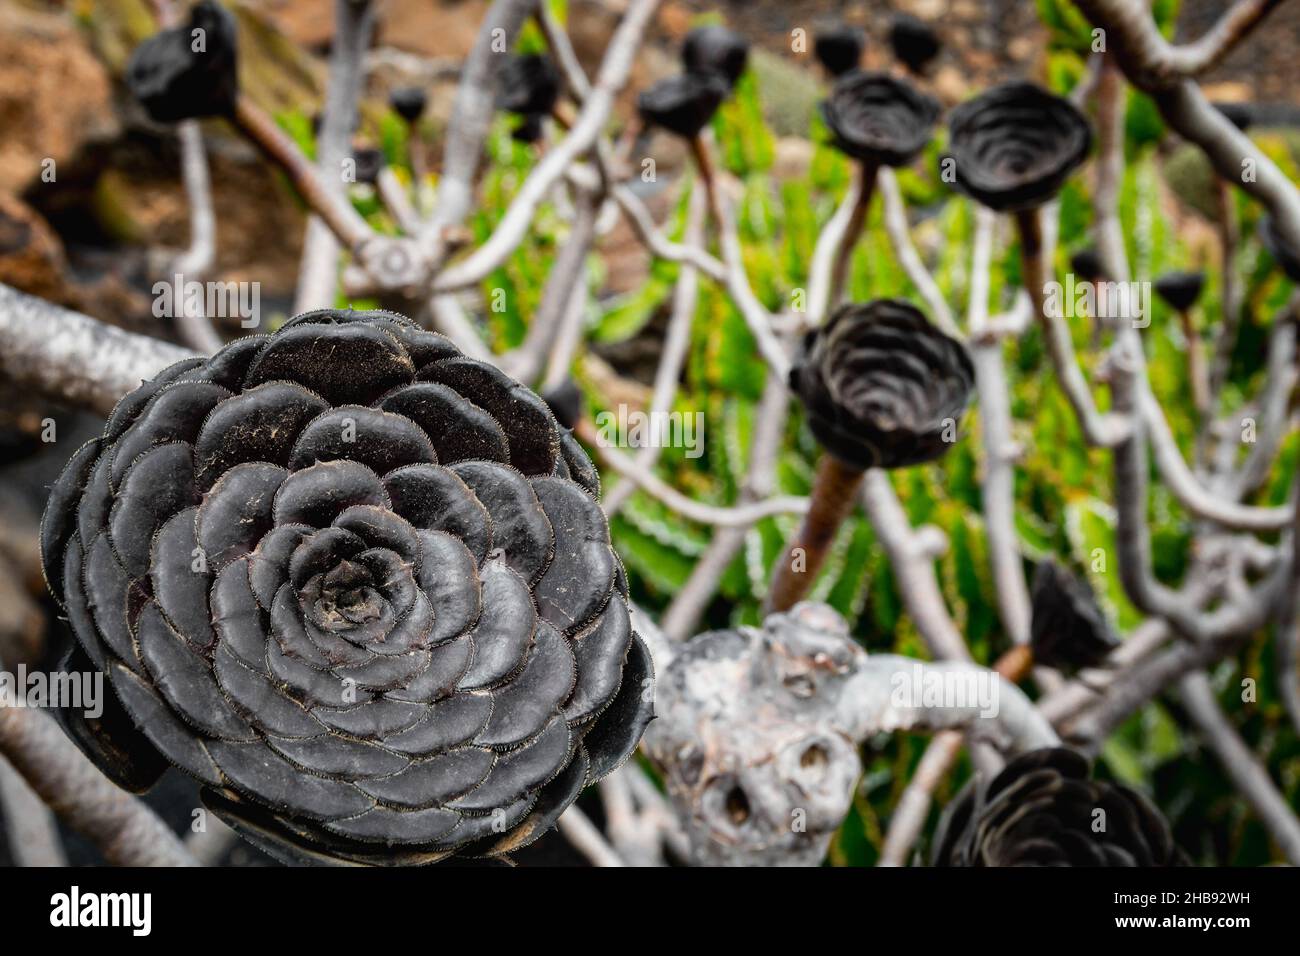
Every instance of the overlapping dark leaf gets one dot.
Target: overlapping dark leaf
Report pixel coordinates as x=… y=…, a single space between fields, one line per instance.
x=882 y=387
x=1042 y=810
x=878 y=118
x=1014 y=145
x=359 y=586
x=1068 y=629
x=174 y=81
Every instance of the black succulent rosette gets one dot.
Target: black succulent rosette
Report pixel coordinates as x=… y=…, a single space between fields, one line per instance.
x=683 y=104
x=882 y=387
x=174 y=82
x=368 y=163
x=409 y=102
x=716 y=49
x=358 y=585
x=1015 y=145
x=1041 y=810
x=879 y=119
x=839 y=49
x=1087 y=265
x=1180 y=290
x=913 y=41
x=1068 y=629
x=1284 y=253
x=528 y=85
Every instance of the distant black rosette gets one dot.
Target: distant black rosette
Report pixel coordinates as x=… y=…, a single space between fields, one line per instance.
x=1086 y=264
x=1041 y=810
x=1180 y=290
x=528 y=85
x=839 y=49
x=358 y=585
x=175 y=82
x=565 y=402
x=914 y=42
x=882 y=387
x=368 y=163
x=716 y=49
x=879 y=119
x=1284 y=254
x=1015 y=145
x=683 y=104
x=1068 y=629
x=409 y=102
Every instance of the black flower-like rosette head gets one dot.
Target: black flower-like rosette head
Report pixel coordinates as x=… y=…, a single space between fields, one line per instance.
x=174 y=81
x=1086 y=264
x=1286 y=255
x=716 y=49
x=839 y=49
x=1015 y=145
x=528 y=85
x=683 y=104
x=1042 y=810
x=409 y=102
x=882 y=387
x=359 y=586
x=879 y=119
x=1068 y=629
x=1180 y=290
x=1240 y=115
x=368 y=162
x=914 y=42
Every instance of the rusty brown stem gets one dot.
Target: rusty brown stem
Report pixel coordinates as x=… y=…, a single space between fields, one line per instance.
x=337 y=213
x=852 y=232
x=834 y=493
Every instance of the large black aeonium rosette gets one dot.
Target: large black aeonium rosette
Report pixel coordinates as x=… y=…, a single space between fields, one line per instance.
x=1068 y=629
x=883 y=388
x=359 y=586
x=878 y=118
x=1042 y=810
x=1014 y=145
x=174 y=82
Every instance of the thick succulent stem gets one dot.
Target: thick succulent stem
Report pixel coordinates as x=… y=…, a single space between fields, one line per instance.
x=853 y=232
x=1230 y=294
x=126 y=831
x=1196 y=368
x=834 y=494
x=336 y=212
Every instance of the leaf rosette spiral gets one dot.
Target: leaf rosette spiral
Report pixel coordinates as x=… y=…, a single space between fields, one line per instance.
x=882 y=387
x=1042 y=810
x=358 y=585
x=1014 y=145
x=878 y=118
